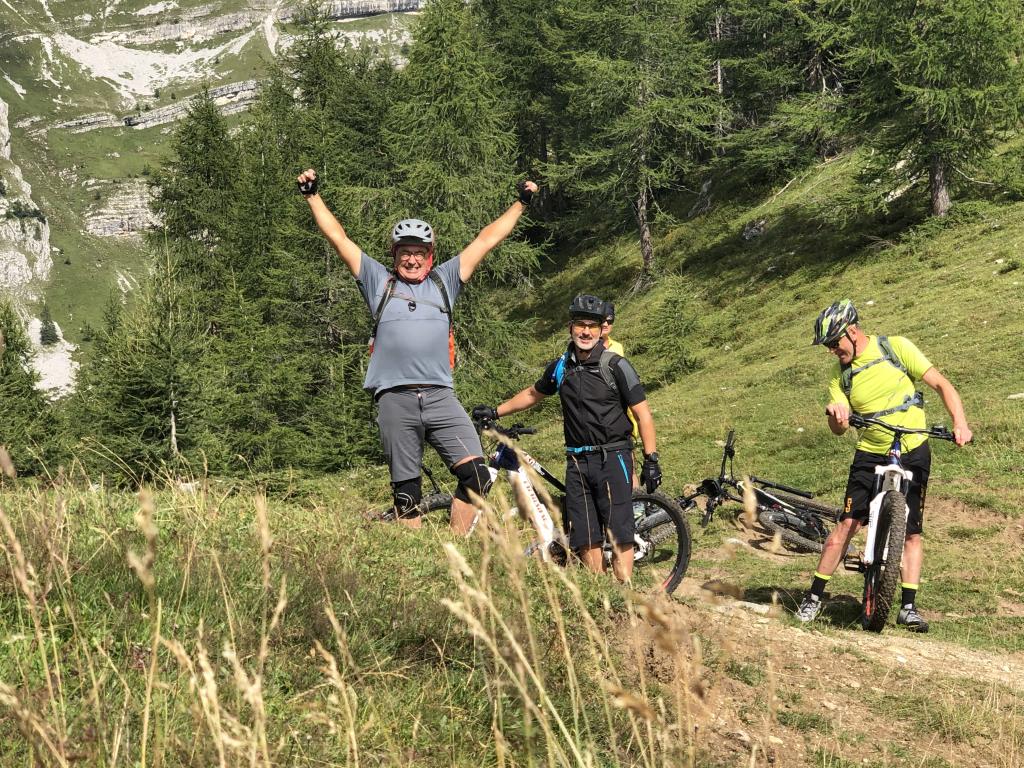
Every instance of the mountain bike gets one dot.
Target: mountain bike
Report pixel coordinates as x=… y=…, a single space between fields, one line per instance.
x=887 y=524
x=661 y=541
x=801 y=522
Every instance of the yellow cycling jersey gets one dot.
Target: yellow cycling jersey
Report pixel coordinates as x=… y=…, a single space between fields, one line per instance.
x=881 y=387
x=616 y=347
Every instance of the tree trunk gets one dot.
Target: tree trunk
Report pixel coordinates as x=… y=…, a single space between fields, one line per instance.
x=174 y=427
x=644 y=227
x=719 y=79
x=938 y=186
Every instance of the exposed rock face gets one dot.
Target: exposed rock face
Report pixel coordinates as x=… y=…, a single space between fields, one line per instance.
x=5 y=132
x=231 y=98
x=53 y=362
x=24 y=233
x=196 y=25
x=194 y=30
x=349 y=9
x=88 y=122
x=125 y=214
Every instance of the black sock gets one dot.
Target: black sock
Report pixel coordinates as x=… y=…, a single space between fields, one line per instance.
x=909 y=594
x=818 y=585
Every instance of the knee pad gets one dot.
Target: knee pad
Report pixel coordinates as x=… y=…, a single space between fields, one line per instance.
x=472 y=476
x=408 y=495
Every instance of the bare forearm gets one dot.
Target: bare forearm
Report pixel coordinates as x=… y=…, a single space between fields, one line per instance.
x=954 y=405
x=490 y=237
x=645 y=425
x=527 y=398
x=502 y=226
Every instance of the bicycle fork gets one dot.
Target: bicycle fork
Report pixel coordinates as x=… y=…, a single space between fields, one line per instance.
x=537 y=513
x=892 y=478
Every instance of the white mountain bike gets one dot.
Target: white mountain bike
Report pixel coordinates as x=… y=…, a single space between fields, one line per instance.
x=887 y=525
x=661 y=541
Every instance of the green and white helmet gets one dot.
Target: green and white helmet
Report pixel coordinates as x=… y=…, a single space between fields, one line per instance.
x=833 y=322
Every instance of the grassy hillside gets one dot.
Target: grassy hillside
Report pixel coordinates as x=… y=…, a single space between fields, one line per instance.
x=213 y=625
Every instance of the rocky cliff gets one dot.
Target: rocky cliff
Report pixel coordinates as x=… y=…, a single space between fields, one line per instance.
x=25 y=259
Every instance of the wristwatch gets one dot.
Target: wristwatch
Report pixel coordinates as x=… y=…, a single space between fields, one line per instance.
x=652 y=457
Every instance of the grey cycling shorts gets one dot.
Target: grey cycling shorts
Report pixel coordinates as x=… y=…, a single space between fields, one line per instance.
x=407 y=417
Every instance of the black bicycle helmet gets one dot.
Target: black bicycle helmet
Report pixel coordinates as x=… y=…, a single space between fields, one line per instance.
x=588 y=306
x=833 y=322
x=609 y=312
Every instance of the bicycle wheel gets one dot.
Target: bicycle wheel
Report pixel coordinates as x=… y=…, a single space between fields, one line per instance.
x=662 y=539
x=435 y=502
x=882 y=577
x=801 y=528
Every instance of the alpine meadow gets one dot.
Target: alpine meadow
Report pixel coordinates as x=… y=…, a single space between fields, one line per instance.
x=195 y=570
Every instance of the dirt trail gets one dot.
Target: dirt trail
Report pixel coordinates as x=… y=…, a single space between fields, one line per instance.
x=775 y=693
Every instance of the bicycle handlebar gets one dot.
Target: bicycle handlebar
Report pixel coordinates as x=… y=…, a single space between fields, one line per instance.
x=513 y=432
x=938 y=431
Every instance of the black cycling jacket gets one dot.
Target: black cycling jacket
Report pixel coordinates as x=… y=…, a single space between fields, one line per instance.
x=592 y=413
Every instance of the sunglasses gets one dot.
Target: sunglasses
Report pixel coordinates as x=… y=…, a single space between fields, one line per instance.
x=833 y=345
x=589 y=325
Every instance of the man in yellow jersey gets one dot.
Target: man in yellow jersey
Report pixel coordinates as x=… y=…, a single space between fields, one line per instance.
x=875 y=377
x=616 y=346
x=606 y=331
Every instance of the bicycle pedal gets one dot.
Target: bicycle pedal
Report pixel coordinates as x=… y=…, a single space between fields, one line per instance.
x=852 y=562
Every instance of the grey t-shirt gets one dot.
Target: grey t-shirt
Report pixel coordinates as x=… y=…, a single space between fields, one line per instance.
x=411 y=346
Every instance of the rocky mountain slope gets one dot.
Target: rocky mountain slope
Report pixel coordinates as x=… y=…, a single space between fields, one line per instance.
x=89 y=92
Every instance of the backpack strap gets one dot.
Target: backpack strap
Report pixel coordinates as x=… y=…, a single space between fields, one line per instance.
x=847 y=372
x=604 y=364
x=558 y=375
x=436 y=279
x=389 y=291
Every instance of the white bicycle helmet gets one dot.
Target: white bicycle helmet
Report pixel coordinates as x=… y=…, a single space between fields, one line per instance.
x=412 y=231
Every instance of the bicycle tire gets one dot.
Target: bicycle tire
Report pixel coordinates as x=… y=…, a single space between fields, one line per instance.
x=435 y=502
x=662 y=538
x=816 y=508
x=802 y=529
x=882 y=577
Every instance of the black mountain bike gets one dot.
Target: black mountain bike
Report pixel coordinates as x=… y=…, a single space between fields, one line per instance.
x=802 y=523
x=662 y=539
x=887 y=524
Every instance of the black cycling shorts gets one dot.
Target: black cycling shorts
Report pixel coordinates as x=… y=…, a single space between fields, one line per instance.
x=599 y=498
x=861 y=483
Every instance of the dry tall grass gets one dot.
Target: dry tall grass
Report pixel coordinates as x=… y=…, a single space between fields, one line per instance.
x=554 y=673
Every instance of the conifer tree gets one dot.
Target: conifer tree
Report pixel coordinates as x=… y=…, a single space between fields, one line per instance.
x=451 y=137
x=936 y=82
x=778 y=74
x=194 y=190
x=48 y=329
x=28 y=426
x=138 y=401
x=641 y=103
x=527 y=45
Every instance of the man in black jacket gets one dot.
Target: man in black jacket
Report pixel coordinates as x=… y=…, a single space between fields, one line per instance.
x=596 y=388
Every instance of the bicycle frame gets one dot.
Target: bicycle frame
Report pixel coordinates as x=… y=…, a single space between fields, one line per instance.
x=890 y=477
x=506 y=458
x=717 y=489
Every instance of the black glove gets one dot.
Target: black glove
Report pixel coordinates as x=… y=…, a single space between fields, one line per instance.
x=650 y=474
x=484 y=413
x=309 y=187
x=524 y=193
